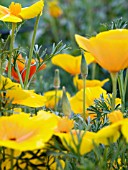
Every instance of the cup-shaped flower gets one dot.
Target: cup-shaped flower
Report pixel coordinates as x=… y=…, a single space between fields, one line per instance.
x=89 y=83
x=70 y=63
x=21 y=132
x=15 y=13
x=109 y=48
x=22 y=64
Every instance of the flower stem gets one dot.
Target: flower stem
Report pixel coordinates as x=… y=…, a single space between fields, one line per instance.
x=126 y=81
x=11 y=49
x=114 y=77
x=93 y=70
x=11 y=158
x=84 y=99
x=56 y=90
x=121 y=90
x=19 y=75
x=31 y=53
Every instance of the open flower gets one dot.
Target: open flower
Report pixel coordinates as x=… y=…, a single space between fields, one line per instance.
x=112 y=132
x=50 y=97
x=76 y=138
x=22 y=68
x=21 y=132
x=89 y=83
x=54 y=9
x=15 y=13
x=91 y=94
x=14 y=92
x=110 y=48
x=70 y=63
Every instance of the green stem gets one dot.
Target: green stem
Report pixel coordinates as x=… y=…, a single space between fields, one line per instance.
x=56 y=90
x=11 y=49
x=84 y=99
x=126 y=81
x=31 y=53
x=19 y=75
x=121 y=90
x=114 y=77
x=11 y=158
x=93 y=70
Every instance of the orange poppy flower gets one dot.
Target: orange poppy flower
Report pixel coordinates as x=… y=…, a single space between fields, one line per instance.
x=22 y=68
x=110 y=48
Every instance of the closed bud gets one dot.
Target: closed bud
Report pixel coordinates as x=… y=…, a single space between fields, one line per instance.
x=84 y=66
x=56 y=79
x=66 y=108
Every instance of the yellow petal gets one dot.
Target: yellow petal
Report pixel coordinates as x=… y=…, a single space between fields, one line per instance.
x=115 y=116
x=26 y=98
x=89 y=83
x=32 y=11
x=68 y=62
x=26 y=133
x=10 y=18
x=109 y=48
x=50 y=98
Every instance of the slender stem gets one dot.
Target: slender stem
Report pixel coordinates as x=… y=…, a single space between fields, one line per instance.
x=121 y=90
x=126 y=81
x=31 y=53
x=56 y=90
x=19 y=75
x=84 y=99
x=114 y=77
x=11 y=158
x=93 y=70
x=11 y=49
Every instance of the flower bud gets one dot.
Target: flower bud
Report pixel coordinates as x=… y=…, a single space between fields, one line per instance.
x=84 y=66
x=66 y=108
x=56 y=79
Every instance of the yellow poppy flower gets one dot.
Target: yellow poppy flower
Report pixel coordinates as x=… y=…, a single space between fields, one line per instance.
x=89 y=83
x=109 y=48
x=26 y=133
x=6 y=83
x=115 y=116
x=20 y=96
x=64 y=125
x=70 y=63
x=50 y=98
x=86 y=143
x=25 y=97
x=54 y=9
x=91 y=94
x=112 y=132
x=15 y=13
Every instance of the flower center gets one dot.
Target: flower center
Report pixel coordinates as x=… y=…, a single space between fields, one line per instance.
x=15 y=8
x=13 y=139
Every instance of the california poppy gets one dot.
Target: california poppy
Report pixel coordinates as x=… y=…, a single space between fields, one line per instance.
x=110 y=48
x=22 y=68
x=15 y=13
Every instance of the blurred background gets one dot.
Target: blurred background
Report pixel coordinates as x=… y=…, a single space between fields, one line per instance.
x=61 y=20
